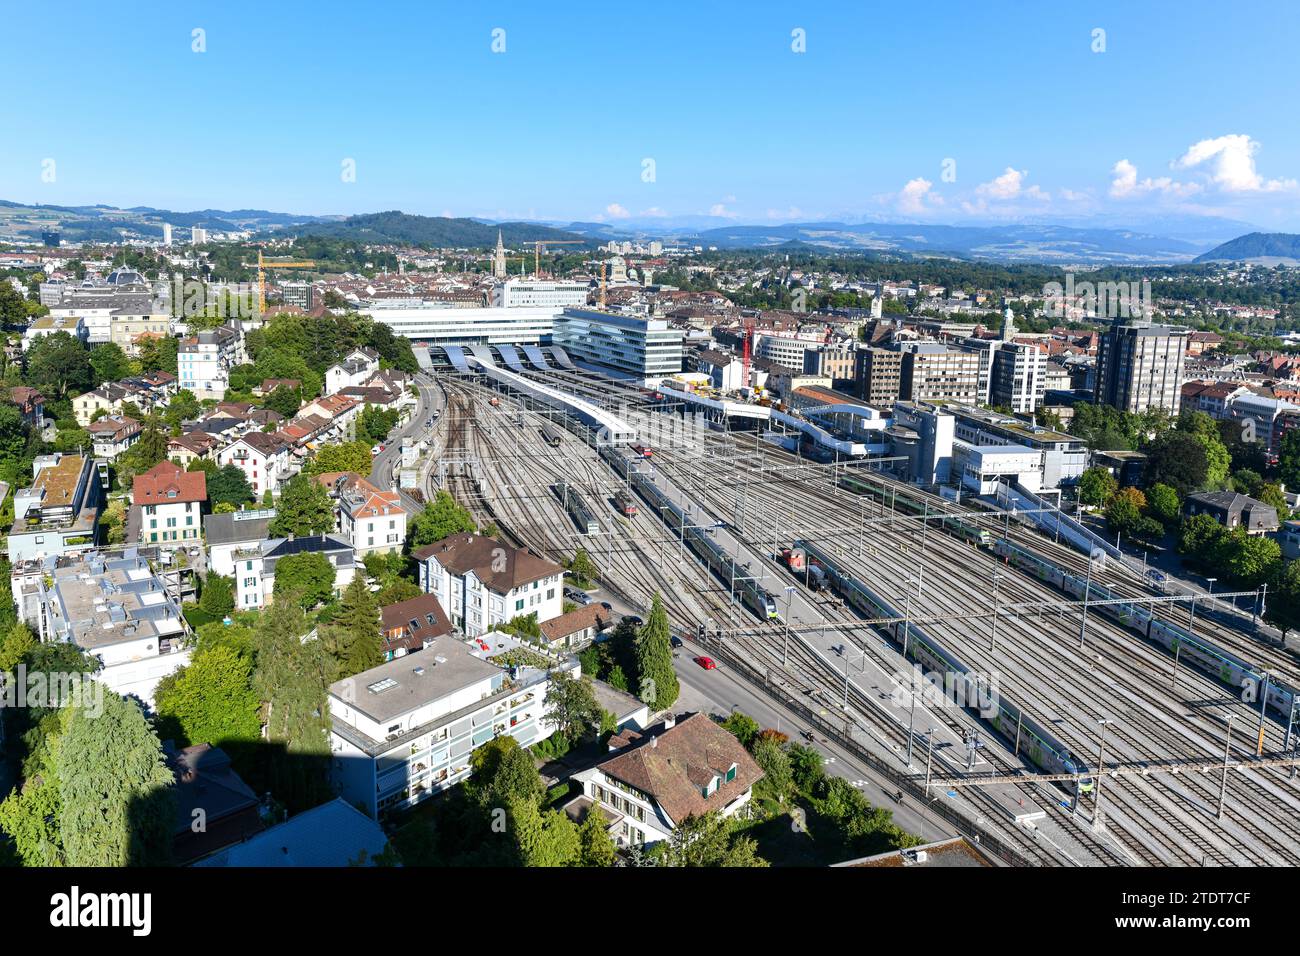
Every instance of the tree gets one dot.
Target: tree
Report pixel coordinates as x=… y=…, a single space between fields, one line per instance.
x=1163 y=504
x=571 y=705
x=708 y=841
x=218 y=597
x=150 y=449
x=109 y=363
x=442 y=518
x=1206 y=431
x=777 y=775
x=17 y=642
x=1284 y=597
x=305 y=509
x=654 y=659
x=582 y=569
x=401 y=589
x=307 y=576
x=596 y=846
x=1125 y=510
x=1288 y=463
x=349 y=456
x=228 y=485
x=1198 y=537
x=212 y=699
x=118 y=795
x=284 y=400
x=354 y=636
x=1249 y=559
x=544 y=839
x=57 y=364
x=1179 y=460
x=504 y=772
x=158 y=354
x=290 y=678
x=1096 y=485
x=743 y=727
x=183 y=407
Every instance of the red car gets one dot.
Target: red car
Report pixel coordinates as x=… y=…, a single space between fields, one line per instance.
x=706 y=663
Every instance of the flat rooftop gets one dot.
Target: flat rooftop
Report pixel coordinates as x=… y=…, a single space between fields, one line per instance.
x=59 y=481
x=403 y=684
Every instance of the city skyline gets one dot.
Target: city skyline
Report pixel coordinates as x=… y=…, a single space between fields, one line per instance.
x=758 y=114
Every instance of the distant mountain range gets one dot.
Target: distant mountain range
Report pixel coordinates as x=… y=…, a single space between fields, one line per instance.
x=1099 y=242
x=1257 y=246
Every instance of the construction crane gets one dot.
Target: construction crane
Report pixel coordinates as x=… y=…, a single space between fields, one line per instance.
x=263 y=264
x=538 y=248
x=747 y=348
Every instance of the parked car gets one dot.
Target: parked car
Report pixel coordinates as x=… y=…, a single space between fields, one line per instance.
x=607 y=606
x=633 y=619
x=578 y=597
x=374 y=452
x=675 y=641
x=706 y=663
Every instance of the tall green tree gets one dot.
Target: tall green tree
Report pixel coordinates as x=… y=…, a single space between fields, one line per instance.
x=596 y=846
x=1096 y=485
x=290 y=678
x=307 y=577
x=442 y=518
x=305 y=508
x=709 y=841
x=571 y=706
x=212 y=699
x=544 y=839
x=504 y=771
x=109 y=363
x=229 y=485
x=353 y=637
x=57 y=365
x=349 y=456
x=118 y=795
x=654 y=659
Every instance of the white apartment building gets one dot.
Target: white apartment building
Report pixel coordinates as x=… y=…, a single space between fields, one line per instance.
x=444 y=324
x=115 y=609
x=204 y=360
x=482 y=582
x=405 y=730
x=234 y=531
x=170 y=504
x=254 y=565
x=355 y=369
x=788 y=350
x=374 y=521
x=262 y=458
x=49 y=324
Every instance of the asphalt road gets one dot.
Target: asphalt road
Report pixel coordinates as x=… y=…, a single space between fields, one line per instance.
x=382 y=474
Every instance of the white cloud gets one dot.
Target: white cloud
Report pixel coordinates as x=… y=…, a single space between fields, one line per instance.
x=1230 y=161
x=617 y=211
x=912 y=197
x=794 y=212
x=1006 y=186
x=1125 y=183
x=654 y=212
x=718 y=209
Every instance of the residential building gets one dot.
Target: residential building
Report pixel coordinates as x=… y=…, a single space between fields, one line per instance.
x=412 y=625
x=726 y=372
x=50 y=324
x=30 y=403
x=234 y=531
x=191 y=447
x=576 y=629
x=334 y=834
x=114 y=609
x=296 y=294
x=405 y=730
x=208 y=788
x=482 y=582
x=1141 y=367
x=204 y=360
x=1233 y=510
x=935 y=373
x=170 y=501
x=357 y=366
x=657 y=778
x=263 y=458
x=636 y=347
x=1262 y=420
x=60 y=511
x=254 y=565
x=374 y=521
x=113 y=435
x=1017 y=382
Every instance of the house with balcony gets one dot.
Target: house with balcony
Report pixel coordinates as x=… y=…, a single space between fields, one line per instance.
x=30 y=403
x=170 y=501
x=191 y=447
x=254 y=565
x=113 y=435
x=59 y=512
x=576 y=629
x=204 y=360
x=373 y=520
x=405 y=730
x=483 y=582
x=340 y=411
x=658 y=777
x=234 y=531
x=115 y=609
x=264 y=459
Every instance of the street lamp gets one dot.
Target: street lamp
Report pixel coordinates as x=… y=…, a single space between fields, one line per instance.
x=1101 y=753
x=785 y=647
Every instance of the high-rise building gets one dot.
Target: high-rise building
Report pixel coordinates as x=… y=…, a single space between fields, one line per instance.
x=499 y=259
x=1017 y=381
x=1140 y=366
x=167 y=233
x=631 y=346
x=879 y=373
x=934 y=373
x=198 y=235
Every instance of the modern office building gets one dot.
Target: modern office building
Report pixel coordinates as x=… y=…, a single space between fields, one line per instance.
x=636 y=347
x=879 y=373
x=405 y=730
x=442 y=323
x=1018 y=381
x=932 y=372
x=1141 y=367
x=296 y=294
x=554 y=294
x=1062 y=458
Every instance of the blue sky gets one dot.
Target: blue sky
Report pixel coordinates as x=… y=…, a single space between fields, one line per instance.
x=1188 y=111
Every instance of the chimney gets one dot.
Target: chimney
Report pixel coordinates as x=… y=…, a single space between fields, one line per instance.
x=670 y=722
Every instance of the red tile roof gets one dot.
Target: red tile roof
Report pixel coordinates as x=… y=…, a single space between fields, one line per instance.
x=168 y=483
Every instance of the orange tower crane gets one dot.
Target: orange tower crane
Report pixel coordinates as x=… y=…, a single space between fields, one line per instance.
x=263 y=264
